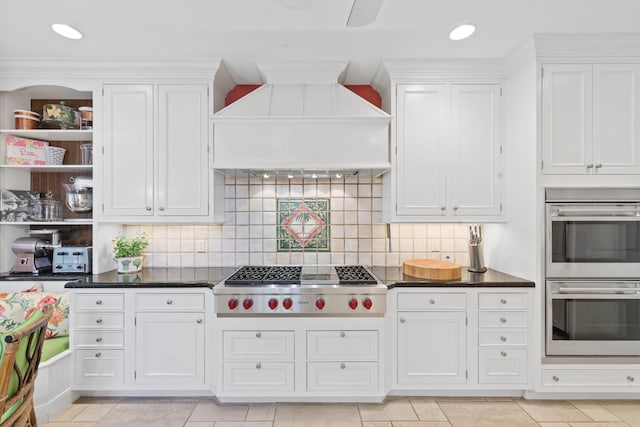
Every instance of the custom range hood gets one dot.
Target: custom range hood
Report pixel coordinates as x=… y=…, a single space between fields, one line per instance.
x=301 y=122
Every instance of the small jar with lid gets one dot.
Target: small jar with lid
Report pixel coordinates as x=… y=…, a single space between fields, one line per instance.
x=86 y=117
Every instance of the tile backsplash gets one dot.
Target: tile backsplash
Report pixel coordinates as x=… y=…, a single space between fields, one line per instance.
x=250 y=233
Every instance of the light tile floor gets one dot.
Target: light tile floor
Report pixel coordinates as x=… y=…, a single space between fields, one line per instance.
x=393 y=412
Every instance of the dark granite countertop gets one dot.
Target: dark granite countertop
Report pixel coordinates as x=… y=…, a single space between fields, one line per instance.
x=394 y=277
x=201 y=277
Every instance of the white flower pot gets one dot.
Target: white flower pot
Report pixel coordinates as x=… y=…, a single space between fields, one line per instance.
x=129 y=264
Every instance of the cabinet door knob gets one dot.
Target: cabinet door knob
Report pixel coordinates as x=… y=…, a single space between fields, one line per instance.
x=598 y=166
x=503 y=320
x=555 y=379
x=98 y=339
x=443 y=208
x=503 y=301
x=342 y=334
x=98 y=354
x=258 y=334
x=630 y=379
x=432 y=301
x=401 y=320
x=148 y=208
x=503 y=339
x=343 y=366
x=590 y=166
x=169 y=302
x=455 y=208
x=199 y=321
x=258 y=365
x=503 y=353
x=161 y=208
x=98 y=321
x=99 y=302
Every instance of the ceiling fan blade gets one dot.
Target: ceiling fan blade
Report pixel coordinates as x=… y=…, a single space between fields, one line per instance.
x=363 y=12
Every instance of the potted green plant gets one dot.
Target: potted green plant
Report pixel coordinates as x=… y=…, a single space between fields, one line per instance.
x=128 y=252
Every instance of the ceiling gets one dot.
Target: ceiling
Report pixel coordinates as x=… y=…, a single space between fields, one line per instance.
x=242 y=32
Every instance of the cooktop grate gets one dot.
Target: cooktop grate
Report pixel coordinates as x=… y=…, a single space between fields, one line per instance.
x=354 y=275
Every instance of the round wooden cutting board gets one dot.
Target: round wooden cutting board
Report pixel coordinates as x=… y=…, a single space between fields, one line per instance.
x=433 y=269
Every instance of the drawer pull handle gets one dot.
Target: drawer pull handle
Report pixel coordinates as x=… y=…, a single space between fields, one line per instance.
x=432 y=301
x=503 y=301
x=630 y=379
x=169 y=302
x=401 y=320
x=258 y=334
x=98 y=321
x=99 y=302
x=258 y=365
x=98 y=354
x=343 y=366
x=555 y=379
x=503 y=339
x=503 y=320
x=199 y=321
x=503 y=353
x=98 y=339
x=148 y=208
x=342 y=334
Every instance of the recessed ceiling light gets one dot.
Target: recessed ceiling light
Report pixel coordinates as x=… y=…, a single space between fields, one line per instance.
x=67 y=31
x=461 y=32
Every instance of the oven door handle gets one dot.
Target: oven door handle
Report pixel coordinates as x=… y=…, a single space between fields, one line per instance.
x=584 y=291
x=611 y=211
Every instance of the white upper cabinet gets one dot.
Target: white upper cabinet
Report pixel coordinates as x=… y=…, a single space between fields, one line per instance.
x=156 y=151
x=590 y=118
x=448 y=152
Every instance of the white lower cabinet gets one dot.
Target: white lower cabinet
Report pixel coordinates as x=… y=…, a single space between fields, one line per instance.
x=463 y=340
x=311 y=358
x=594 y=378
x=140 y=339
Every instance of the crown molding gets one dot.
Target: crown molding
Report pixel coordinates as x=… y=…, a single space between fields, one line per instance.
x=444 y=70
x=55 y=71
x=587 y=45
x=519 y=57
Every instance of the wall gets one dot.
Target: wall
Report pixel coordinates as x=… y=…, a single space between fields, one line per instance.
x=249 y=233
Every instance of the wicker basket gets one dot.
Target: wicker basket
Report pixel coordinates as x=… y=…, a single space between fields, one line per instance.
x=55 y=155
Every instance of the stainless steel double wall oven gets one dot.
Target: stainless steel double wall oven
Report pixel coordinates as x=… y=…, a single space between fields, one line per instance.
x=592 y=271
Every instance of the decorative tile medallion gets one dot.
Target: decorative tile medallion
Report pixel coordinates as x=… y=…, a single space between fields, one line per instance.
x=303 y=225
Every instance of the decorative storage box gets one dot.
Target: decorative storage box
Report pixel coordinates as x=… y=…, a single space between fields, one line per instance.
x=14 y=204
x=23 y=151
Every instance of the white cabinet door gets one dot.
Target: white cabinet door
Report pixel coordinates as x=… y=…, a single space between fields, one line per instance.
x=474 y=151
x=432 y=348
x=182 y=172
x=616 y=118
x=128 y=150
x=170 y=349
x=422 y=136
x=567 y=136
x=448 y=156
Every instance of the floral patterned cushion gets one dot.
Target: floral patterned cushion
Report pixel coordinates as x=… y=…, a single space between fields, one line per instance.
x=15 y=308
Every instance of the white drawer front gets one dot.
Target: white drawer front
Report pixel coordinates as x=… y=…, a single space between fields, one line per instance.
x=502 y=366
x=352 y=376
x=93 y=301
x=502 y=301
x=590 y=378
x=431 y=301
x=258 y=345
x=258 y=376
x=99 y=367
x=98 y=320
x=170 y=301
x=84 y=338
x=504 y=338
x=502 y=319
x=342 y=345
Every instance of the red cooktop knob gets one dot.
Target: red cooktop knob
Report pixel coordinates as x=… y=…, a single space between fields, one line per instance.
x=273 y=303
x=233 y=303
x=320 y=303
x=247 y=303
x=287 y=303
x=353 y=303
x=367 y=303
